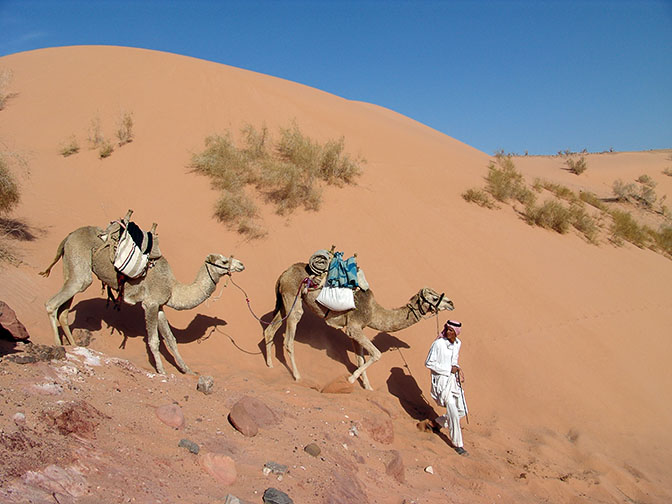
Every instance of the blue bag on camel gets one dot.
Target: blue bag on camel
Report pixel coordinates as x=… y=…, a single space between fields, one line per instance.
x=338 y=294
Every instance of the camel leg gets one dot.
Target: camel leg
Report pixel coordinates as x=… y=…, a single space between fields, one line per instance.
x=374 y=354
x=63 y=313
x=292 y=322
x=152 y=322
x=76 y=281
x=269 y=334
x=359 y=353
x=171 y=342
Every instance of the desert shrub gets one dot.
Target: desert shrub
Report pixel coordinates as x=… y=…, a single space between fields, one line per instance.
x=95 y=134
x=560 y=191
x=480 y=197
x=663 y=239
x=70 y=147
x=256 y=143
x=6 y=77
x=9 y=188
x=504 y=182
x=289 y=186
x=286 y=172
x=234 y=206
x=225 y=164
x=622 y=191
x=105 y=149
x=625 y=227
x=335 y=166
x=583 y=221
x=668 y=172
x=125 y=128
x=251 y=229
x=551 y=215
x=577 y=166
x=593 y=200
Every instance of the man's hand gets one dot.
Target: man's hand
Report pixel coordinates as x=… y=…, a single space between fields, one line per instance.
x=460 y=373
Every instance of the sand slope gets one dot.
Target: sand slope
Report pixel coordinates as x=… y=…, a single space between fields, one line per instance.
x=565 y=344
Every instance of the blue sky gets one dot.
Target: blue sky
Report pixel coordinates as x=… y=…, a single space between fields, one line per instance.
x=527 y=75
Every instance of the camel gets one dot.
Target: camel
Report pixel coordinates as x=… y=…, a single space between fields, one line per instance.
x=368 y=313
x=84 y=253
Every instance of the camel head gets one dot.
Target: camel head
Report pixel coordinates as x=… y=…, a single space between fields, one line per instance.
x=429 y=301
x=219 y=265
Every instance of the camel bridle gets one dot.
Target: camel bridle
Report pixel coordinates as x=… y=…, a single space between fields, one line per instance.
x=420 y=311
x=226 y=268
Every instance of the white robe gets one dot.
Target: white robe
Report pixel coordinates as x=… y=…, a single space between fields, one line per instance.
x=442 y=356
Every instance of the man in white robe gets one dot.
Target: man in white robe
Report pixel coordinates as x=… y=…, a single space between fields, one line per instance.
x=447 y=377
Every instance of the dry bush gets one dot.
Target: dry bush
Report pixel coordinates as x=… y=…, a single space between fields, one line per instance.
x=625 y=227
x=95 y=135
x=125 y=128
x=504 y=182
x=551 y=215
x=576 y=166
x=583 y=222
x=9 y=188
x=335 y=166
x=6 y=77
x=70 y=147
x=105 y=149
x=225 y=164
x=480 y=197
x=233 y=206
x=287 y=172
x=289 y=186
x=663 y=239
x=251 y=229
x=593 y=200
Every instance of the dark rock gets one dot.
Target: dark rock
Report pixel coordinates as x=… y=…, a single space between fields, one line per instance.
x=10 y=324
x=205 y=384
x=275 y=468
x=189 y=445
x=275 y=496
x=312 y=449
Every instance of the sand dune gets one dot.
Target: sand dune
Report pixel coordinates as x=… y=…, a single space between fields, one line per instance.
x=565 y=344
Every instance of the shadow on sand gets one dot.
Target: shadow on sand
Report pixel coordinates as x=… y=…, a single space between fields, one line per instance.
x=129 y=322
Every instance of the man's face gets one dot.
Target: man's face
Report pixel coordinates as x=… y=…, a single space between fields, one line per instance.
x=450 y=334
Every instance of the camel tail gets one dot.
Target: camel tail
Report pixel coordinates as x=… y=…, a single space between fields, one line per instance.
x=59 y=254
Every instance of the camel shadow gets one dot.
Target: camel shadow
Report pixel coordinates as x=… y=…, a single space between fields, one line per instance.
x=129 y=322
x=313 y=331
x=404 y=387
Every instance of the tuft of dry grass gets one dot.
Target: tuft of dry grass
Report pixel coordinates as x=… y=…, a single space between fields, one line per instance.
x=105 y=149
x=550 y=215
x=287 y=172
x=6 y=77
x=125 y=128
x=504 y=182
x=70 y=147
x=576 y=166
x=480 y=197
x=625 y=228
x=9 y=188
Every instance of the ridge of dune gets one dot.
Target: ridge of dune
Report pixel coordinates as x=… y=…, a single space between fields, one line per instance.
x=562 y=339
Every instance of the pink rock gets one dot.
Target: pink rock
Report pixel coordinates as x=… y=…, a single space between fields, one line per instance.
x=11 y=324
x=220 y=467
x=380 y=429
x=248 y=414
x=394 y=466
x=171 y=415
